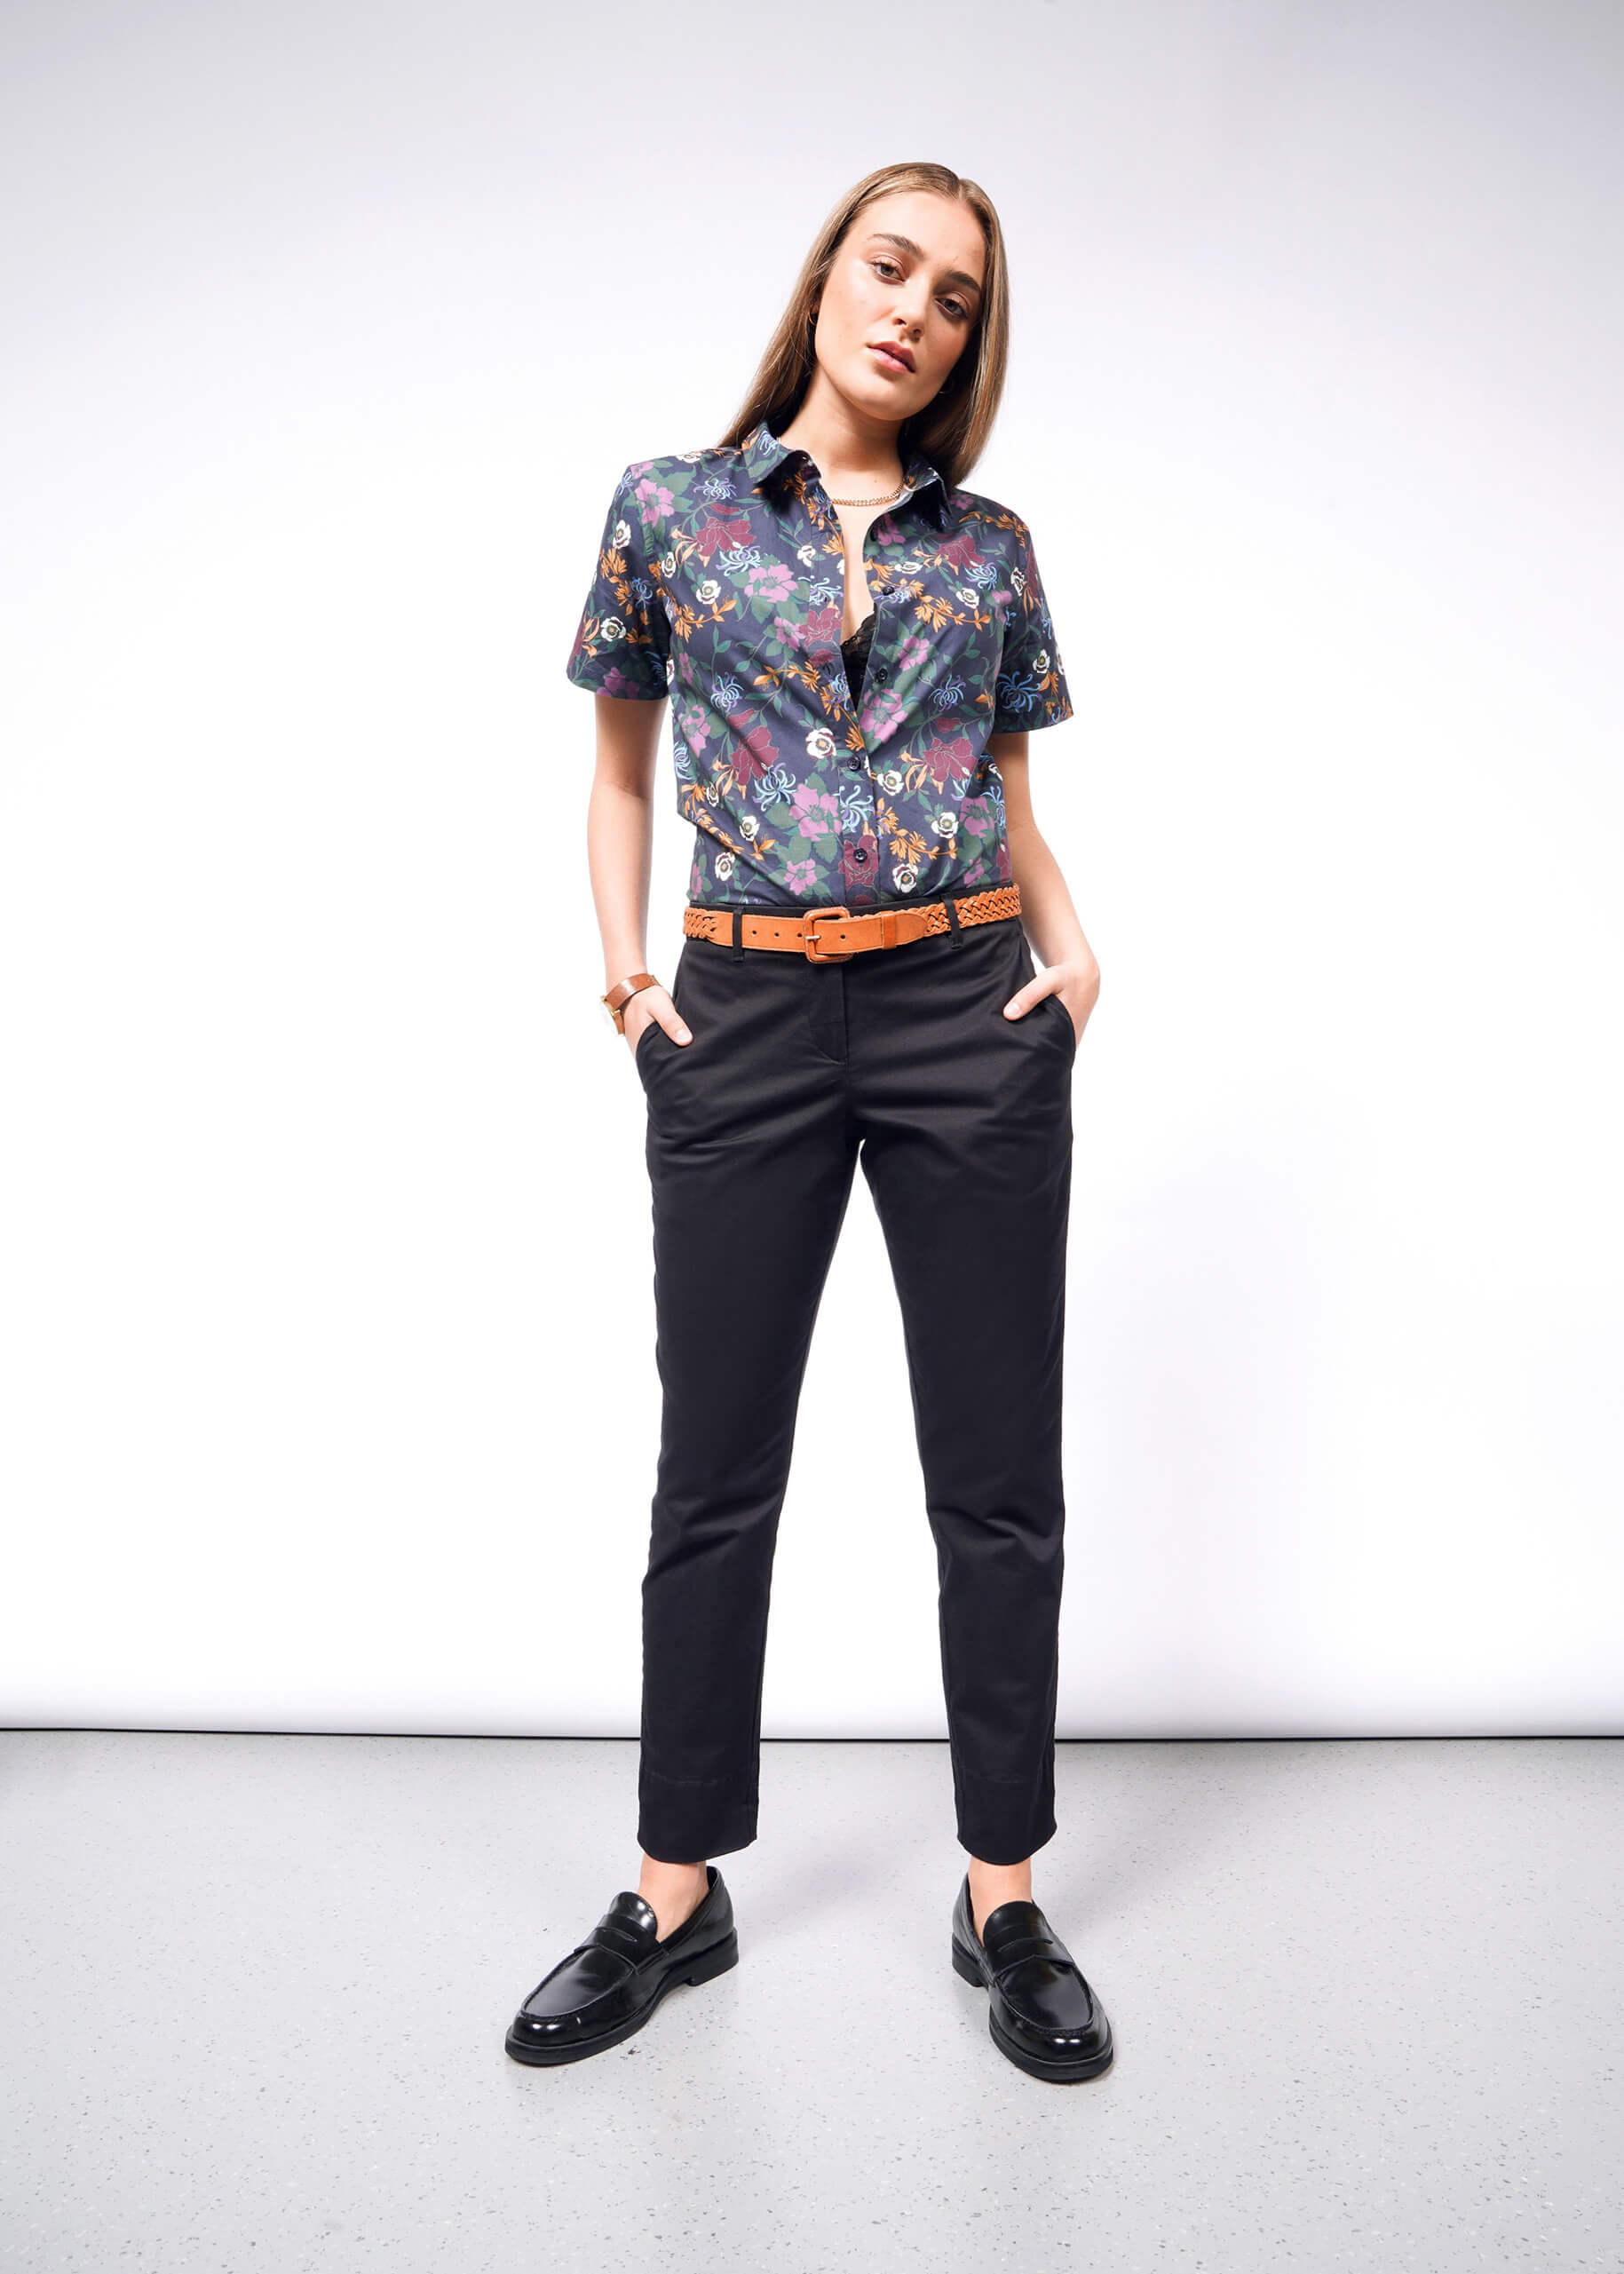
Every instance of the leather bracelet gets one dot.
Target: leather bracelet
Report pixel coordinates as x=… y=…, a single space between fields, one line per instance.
x=621 y=994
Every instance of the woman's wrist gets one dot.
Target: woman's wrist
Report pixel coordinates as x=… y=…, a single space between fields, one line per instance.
x=620 y=991
x=623 y=956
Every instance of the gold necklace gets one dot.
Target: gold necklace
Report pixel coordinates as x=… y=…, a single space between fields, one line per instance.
x=890 y=497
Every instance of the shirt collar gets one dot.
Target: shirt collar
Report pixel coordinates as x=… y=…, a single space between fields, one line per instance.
x=765 y=455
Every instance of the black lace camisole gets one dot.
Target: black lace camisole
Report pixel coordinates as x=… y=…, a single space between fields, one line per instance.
x=854 y=655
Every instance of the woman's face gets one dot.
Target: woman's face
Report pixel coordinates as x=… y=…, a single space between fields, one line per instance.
x=907 y=278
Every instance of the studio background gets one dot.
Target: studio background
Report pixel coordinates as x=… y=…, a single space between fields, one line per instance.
x=326 y=1282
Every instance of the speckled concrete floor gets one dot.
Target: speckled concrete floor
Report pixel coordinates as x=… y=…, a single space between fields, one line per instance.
x=1366 y=1997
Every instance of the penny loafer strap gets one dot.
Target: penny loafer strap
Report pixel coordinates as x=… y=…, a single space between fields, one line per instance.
x=618 y=1940
x=627 y=1928
x=1020 y=1946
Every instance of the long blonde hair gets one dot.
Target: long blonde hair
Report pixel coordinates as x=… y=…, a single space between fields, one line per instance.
x=951 y=431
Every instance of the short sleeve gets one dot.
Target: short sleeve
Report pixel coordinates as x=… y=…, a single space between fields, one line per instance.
x=1031 y=689
x=623 y=641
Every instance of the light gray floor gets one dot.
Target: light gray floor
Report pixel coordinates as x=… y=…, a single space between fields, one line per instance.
x=1366 y=1995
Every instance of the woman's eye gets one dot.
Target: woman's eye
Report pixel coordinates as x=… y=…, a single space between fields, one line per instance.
x=955 y=308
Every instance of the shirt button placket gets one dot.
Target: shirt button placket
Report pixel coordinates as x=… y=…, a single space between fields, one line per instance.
x=860 y=859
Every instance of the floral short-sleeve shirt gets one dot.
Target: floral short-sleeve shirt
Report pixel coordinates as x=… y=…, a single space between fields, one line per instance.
x=721 y=583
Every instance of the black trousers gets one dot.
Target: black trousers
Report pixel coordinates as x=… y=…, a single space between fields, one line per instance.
x=902 y=1058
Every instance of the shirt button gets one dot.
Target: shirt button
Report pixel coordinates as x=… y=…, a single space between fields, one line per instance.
x=860 y=855
x=883 y=673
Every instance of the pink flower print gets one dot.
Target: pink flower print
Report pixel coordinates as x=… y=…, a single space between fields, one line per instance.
x=881 y=713
x=801 y=876
x=815 y=810
x=768 y=579
x=616 y=682
x=653 y=499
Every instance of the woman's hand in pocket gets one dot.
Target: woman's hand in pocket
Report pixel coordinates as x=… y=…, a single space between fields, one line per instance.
x=648 y=1006
x=1075 y=985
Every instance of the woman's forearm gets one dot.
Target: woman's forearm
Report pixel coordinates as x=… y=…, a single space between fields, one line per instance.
x=1048 y=917
x=619 y=829
x=620 y=834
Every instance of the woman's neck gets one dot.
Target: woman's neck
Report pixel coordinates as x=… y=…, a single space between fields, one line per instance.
x=856 y=456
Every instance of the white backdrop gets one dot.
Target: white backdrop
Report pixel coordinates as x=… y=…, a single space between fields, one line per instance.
x=327 y=1333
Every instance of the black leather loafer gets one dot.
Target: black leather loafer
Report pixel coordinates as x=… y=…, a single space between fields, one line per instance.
x=609 y=1985
x=1040 y=2012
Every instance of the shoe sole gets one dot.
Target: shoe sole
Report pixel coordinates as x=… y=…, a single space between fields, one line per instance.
x=716 y=1961
x=1053 y=2072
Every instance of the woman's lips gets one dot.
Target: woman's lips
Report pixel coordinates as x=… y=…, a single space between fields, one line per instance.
x=888 y=361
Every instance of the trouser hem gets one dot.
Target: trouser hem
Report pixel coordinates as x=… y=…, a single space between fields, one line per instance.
x=691 y=1823
x=1011 y=1849
x=1005 y=1823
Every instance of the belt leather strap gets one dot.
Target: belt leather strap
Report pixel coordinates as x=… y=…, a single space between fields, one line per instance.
x=834 y=935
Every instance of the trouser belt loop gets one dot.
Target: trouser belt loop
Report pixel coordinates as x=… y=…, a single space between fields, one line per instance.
x=738 y=935
x=954 y=927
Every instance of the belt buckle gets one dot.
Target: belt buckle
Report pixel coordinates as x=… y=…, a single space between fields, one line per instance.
x=810 y=919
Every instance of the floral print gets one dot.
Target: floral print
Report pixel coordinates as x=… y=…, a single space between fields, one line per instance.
x=721 y=582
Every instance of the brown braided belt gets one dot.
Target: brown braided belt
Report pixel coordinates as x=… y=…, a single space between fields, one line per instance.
x=806 y=931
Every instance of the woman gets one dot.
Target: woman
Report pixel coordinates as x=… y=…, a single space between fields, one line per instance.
x=856 y=650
